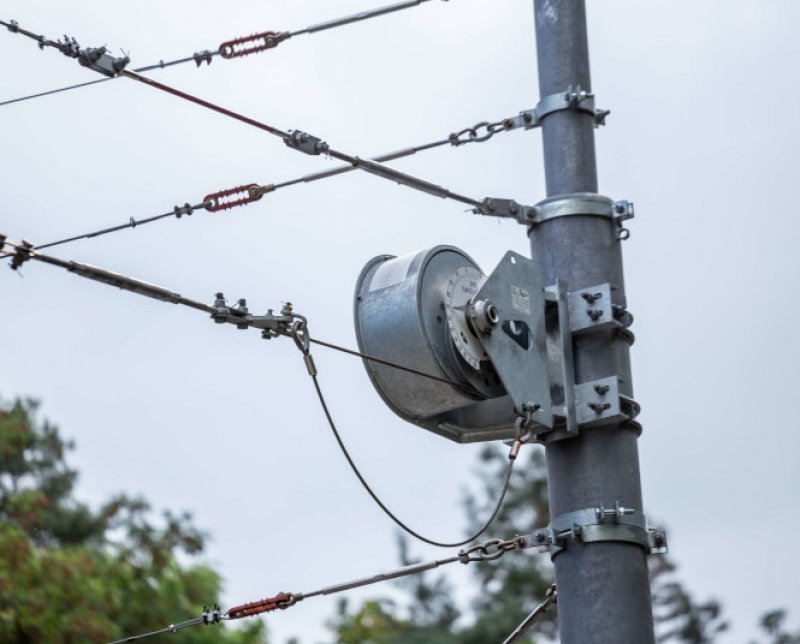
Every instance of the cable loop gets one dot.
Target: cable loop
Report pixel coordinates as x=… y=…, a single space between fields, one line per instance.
x=300 y=335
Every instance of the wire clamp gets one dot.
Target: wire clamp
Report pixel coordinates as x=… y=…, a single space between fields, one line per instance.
x=271 y=325
x=506 y=208
x=13 y=26
x=94 y=58
x=212 y=616
x=574 y=98
x=22 y=253
x=201 y=57
x=305 y=142
x=254 y=44
x=186 y=209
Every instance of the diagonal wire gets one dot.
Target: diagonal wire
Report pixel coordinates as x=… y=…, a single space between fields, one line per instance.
x=147 y=68
x=456 y=139
x=258 y=42
x=487 y=551
x=302 y=142
x=550 y=597
x=172 y=628
x=157 y=292
x=386 y=363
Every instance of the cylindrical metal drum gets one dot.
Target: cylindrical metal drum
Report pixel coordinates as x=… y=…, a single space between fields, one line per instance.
x=409 y=310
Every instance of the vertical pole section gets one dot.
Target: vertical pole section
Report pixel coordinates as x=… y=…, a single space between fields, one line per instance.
x=603 y=587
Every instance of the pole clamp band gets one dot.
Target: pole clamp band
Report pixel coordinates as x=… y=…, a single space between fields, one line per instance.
x=578 y=203
x=574 y=98
x=594 y=525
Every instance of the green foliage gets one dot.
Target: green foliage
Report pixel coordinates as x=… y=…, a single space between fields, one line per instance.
x=71 y=574
x=772 y=623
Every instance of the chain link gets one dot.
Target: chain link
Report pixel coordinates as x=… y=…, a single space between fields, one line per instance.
x=473 y=134
x=490 y=550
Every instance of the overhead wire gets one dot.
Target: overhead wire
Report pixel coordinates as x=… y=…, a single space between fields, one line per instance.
x=488 y=551
x=25 y=251
x=214 y=203
x=99 y=60
x=309 y=144
x=233 y=48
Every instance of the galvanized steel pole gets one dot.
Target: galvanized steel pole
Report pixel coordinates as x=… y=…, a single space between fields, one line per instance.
x=603 y=588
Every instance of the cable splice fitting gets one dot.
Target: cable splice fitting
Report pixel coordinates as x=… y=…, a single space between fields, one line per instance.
x=305 y=142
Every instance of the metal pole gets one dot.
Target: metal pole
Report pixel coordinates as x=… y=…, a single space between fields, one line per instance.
x=603 y=587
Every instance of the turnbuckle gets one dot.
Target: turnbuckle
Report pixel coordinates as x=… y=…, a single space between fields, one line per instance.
x=217 y=201
x=252 y=44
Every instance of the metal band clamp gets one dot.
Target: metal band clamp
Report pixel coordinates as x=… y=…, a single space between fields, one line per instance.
x=574 y=98
x=579 y=203
x=593 y=525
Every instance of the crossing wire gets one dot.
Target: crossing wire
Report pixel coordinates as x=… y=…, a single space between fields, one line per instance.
x=309 y=144
x=478 y=133
x=234 y=48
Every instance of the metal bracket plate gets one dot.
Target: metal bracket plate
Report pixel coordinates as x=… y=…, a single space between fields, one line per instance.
x=590 y=309
x=599 y=402
x=516 y=345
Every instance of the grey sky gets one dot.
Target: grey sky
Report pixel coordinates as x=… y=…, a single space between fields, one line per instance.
x=703 y=137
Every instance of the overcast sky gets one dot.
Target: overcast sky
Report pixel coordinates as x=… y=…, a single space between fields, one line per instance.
x=703 y=136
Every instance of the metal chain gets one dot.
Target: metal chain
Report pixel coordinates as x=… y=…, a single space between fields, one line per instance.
x=473 y=134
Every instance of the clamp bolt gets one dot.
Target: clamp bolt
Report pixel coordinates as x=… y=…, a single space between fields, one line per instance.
x=599 y=408
x=601 y=390
x=594 y=314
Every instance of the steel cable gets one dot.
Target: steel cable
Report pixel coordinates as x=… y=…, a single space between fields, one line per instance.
x=235 y=48
x=383 y=506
